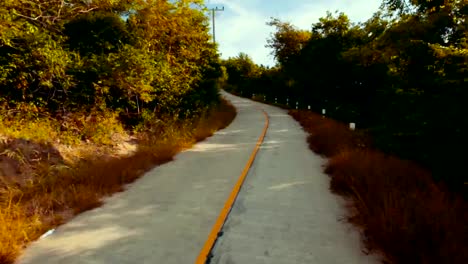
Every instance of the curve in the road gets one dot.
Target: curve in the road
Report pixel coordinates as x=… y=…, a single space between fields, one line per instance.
x=204 y=253
x=280 y=211
x=165 y=216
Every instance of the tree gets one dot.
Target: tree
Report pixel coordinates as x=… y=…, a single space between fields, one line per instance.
x=83 y=54
x=241 y=70
x=401 y=75
x=287 y=41
x=96 y=33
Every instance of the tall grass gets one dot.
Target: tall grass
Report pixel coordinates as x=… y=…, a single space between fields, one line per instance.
x=401 y=211
x=16 y=228
x=57 y=192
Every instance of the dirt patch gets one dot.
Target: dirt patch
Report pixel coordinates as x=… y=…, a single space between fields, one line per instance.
x=19 y=158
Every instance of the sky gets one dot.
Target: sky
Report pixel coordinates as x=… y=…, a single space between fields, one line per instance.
x=241 y=27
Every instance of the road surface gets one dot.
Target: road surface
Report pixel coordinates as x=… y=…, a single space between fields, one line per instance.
x=284 y=213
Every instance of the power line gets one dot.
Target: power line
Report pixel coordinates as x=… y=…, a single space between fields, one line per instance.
x=213 y=10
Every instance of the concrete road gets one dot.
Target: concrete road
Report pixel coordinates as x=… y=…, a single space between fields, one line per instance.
x=284 y=212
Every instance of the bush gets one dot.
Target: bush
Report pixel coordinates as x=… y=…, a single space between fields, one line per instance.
x=101 y=128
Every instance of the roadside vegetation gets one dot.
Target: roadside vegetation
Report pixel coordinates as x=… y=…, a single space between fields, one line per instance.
x=92 y=95
x=56 y=181
x=401 y=77
x=401 y=212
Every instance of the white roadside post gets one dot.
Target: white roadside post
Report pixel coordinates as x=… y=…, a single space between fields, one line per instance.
x=253 y=95
x=297 y=105
x=323 y=113
x=308 y=107
x=264 y=98
x=352 y=126
x=287 y=101
x=48 y=233
x=276 y=100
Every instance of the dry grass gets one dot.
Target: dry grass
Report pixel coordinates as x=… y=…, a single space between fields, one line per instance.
x=16 y=226
x=214 y=120
x=397 y=205
x=57 y=192
x=328 y=137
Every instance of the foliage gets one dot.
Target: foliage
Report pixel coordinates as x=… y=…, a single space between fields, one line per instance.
x=83 y=75
x=240 y=70
x=287 y=41
x=119 y=55
x=96 y=33
x=399 y=75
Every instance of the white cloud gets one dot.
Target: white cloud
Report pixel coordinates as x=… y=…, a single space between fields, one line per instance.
x=241 y=29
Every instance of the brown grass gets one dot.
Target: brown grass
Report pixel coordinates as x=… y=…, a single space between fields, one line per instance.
x=221 y=117
x=328 y=137
x=58 y=192
x=396 y=204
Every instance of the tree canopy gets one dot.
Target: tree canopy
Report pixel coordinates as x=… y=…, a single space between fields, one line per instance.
x=123 y=55
x=401 y=76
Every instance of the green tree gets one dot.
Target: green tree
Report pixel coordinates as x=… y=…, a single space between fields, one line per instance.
x=241 y=71
x=400 y=75
x=96 y=32
x=129 y=55
x=287 y=41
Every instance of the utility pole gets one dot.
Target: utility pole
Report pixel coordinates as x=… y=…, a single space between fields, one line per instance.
x=213 y=10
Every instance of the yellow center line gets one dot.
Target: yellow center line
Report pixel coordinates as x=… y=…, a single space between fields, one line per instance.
x=201 y=259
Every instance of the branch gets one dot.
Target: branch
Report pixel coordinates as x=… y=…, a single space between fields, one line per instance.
x=59 y=11
x=48 y=21
x=39 y=22
x=34 y=19
x=85 y=11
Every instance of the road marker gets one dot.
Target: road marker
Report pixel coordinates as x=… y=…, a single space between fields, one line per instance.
x=48 y=233
x=215 y=231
